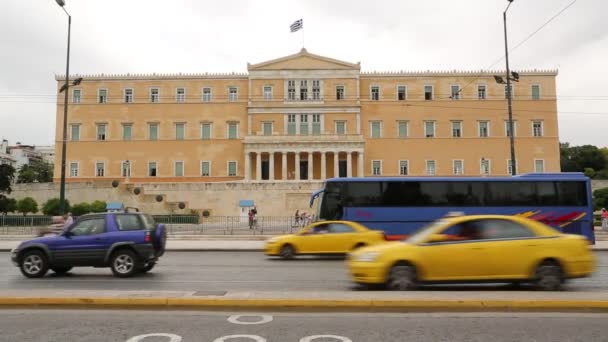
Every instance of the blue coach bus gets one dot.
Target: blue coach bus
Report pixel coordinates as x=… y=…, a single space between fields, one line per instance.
x=401 y=205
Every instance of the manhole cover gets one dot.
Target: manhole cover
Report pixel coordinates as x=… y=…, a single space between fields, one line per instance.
x=209 y=293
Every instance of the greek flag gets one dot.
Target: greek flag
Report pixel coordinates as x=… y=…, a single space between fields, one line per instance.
x=297 y=25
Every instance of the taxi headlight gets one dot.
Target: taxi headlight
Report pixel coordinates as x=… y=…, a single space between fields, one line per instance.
x=272 y=240
x=367 y=257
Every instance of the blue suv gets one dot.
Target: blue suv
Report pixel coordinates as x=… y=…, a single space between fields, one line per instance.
x=128 y=243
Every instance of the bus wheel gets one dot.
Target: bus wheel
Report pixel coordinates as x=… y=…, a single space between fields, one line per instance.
x=402 y=277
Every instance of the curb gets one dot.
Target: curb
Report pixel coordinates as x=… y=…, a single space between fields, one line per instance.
x=310 y=304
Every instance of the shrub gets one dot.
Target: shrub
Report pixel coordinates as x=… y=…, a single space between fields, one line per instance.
x=98 y=207
x=51 y=207
x=81 y=209
x=27 y=205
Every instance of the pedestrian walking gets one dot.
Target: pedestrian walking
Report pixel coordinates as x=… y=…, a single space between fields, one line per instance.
x=297 y=218
x=604 y=219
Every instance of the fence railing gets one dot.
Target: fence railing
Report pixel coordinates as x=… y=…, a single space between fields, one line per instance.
x=24 y=221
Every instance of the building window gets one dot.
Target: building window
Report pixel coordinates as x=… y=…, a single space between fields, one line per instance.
x=74 y=169
x=101 y=132
x=456 y=129
x=458 y=167
x=180 y=131
x=291 y=90
x=128 y=92
x=484 y=129
x=233 y=130
x=267 y=128
x=508 y=128
x=340 y=92
x=206 y=94
x=125 y=169
x=539 y=165
x=154 y=95
x=304 y=124
x=206 y=131
x=316 y=124
x=232 y=167
x=76 y=95
x=401 y=93
x=153 y=131
x=481 y=92
x=316 y=90
x=376 y=129
x=535 y=92
x=303 y=90
x=376 y=167
x=484 y=166
x=429 y=129
x=430 y=167
x=179 y=168
x=152 y=169
x=291 y=124
x=537 y=128
x=205 y=168
x=102 y=95
x=100 y=169
x=428 y=92
x=75 y=130
x=455 y=92
x=340 y=127
x=127 y=130
x=510 y=167
x=404 y=168
x=507 y=91
x=180 y=94
x=375 y=93
x=267 y=93
x=233 y=94
x=402 y=129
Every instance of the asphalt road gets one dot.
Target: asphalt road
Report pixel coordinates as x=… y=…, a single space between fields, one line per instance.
x=186 y=326
x=232 y=271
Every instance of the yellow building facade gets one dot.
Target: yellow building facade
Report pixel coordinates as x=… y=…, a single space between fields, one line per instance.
x=304 y=117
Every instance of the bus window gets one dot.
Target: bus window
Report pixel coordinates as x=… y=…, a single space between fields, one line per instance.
x=509 y=194
x=572 y=193
x=547 y=194
x=465 y=194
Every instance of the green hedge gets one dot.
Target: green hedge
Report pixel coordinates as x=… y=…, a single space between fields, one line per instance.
x=184 y=219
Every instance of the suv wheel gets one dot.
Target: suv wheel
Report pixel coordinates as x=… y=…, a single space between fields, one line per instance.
x=123 y=263
x=148 y=267
x=61 y=270
x=34 y=264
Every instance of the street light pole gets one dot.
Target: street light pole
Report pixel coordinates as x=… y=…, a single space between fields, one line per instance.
x=62 y=208
x=509 y=96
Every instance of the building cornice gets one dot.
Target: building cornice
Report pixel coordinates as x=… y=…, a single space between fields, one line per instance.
x=451 y=73
x=155 y=76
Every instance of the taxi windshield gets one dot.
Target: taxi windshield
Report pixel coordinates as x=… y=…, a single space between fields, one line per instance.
x=422 y=233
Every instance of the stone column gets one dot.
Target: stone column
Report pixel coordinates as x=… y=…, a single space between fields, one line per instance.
x=360 y=162
x=284 y=166
x=349 y=164
x=323 y=165
x=258 y=166
x=271 y=166
x=336 y=164
x=247 y=166
x=310 y=168
x=297 y=166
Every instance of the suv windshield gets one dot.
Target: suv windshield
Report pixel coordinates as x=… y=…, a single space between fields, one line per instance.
x=148 y=221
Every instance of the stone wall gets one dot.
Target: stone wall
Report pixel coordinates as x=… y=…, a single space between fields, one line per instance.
x=221 y=199
x=599 y=184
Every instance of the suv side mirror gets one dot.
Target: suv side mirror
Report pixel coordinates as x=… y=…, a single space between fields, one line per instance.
x=67 y=234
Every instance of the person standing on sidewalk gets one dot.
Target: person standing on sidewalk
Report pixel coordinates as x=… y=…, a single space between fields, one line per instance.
x=604 y=219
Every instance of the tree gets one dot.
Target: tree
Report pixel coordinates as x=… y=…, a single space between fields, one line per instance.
x=81 y=209
x=577 y=158
x=98 y=207
x=51 y=207
x=27 y=205
x=600 y=198
x=38 y=171
x=7 y=205
x=7 y=174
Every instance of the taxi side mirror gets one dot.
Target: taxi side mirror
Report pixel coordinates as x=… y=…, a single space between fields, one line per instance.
x=438 y=238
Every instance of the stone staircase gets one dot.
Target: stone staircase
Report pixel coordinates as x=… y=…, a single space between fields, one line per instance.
x=601 y=235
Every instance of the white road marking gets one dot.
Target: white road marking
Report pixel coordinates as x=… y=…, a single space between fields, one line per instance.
x=172 y=337
x=316 y=337
x=256 y=338
x=235 y=319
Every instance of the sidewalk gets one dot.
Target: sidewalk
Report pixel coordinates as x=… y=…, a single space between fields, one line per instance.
x=214 y=243
x=358 y=301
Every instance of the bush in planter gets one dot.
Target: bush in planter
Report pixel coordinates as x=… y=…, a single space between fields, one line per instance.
x=98 y=207
x=81 y=209
x=27 y=205
x=51 y=207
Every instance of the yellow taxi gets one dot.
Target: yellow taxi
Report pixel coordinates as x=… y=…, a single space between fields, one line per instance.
x=484 y=248
x=325 y=237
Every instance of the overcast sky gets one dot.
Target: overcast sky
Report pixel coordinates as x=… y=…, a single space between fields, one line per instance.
x=145 y=36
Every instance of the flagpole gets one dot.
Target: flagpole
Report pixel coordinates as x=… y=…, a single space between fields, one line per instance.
x=302 y=34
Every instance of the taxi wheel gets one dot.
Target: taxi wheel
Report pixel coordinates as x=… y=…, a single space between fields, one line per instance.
x=287 y=252
x=402 y=277
x=549 y=276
